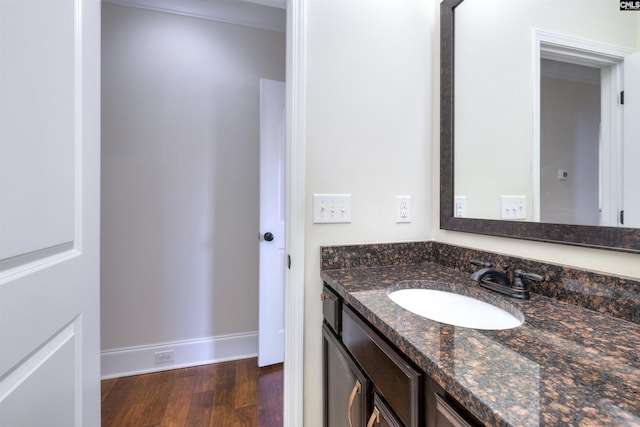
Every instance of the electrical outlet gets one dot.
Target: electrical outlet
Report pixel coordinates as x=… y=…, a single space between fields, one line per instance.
x=161 y=357
x=403 y=209
x=460 y=206
x=563 y=174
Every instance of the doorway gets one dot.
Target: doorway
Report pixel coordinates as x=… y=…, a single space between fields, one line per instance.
x=180 y=187
x=593 y=184
x=570 y=117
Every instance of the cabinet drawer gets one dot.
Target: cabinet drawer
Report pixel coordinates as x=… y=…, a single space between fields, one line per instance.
x=331 y=304
x=394 y=378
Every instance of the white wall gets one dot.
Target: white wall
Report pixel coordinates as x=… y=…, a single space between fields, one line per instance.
x=180 y=177
x=368 y=134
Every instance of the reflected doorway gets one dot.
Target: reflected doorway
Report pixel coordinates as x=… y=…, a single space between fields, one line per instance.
x=570 y=169
x=578 y=131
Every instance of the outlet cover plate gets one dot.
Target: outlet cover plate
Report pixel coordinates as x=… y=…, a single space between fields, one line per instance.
x=161 y=357
x=403 y=209
x=460 y=206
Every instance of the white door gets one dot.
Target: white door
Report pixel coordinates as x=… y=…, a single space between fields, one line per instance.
x=631 y=149
x=49 y=212
x=272 y=222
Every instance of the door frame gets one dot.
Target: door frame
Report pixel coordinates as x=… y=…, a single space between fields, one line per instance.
x=607 y=57
x=293 y=412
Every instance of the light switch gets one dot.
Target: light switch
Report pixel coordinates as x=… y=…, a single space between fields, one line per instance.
x=513 y=207
x=331 y=208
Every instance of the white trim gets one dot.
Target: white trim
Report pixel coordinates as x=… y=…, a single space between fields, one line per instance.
x=611 y=146
x=583 y=51
x=293 y=415
x=248 y=14
x=576 y=50
x=280 y=4
x=141 y=359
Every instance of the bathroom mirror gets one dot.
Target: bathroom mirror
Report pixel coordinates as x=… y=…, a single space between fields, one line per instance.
x=494 y=122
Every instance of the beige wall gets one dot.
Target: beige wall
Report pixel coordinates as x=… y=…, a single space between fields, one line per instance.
x=180 y=175
x=368 y=130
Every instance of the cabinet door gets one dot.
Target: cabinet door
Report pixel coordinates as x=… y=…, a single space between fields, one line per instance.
x=447 y=415
x=346 y=389
x=443 y=411
x=382 y=415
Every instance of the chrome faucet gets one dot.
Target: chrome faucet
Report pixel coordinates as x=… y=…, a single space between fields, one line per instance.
x=504 y=281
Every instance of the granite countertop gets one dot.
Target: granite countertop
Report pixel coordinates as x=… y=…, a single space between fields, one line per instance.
x=566 y=365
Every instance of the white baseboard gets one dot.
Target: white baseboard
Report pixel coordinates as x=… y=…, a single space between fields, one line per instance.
x=142 y=359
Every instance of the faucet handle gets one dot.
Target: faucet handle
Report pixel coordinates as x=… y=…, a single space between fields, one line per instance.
x=481 y=263
x=530 y=276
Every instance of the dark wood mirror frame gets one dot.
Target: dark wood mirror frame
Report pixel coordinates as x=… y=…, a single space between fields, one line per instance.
x=611 y=238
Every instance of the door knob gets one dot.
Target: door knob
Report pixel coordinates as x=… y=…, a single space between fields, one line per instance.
x=268 y=236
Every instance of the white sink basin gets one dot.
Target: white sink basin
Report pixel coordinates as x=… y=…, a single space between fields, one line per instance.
x=454 y=309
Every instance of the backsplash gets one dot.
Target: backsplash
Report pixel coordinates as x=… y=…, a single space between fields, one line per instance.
x=356 y=256
x=612 y=295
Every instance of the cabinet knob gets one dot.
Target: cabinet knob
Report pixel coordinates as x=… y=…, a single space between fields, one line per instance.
x=324 y=297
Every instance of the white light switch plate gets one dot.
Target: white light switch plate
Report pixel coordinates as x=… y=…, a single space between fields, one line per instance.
x=513 y=207
x=331 y=208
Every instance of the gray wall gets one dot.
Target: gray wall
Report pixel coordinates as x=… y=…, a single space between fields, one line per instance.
x=569 y=140
x=180 y=175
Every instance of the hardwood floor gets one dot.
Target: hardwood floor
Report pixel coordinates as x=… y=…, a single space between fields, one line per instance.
x=229 y=394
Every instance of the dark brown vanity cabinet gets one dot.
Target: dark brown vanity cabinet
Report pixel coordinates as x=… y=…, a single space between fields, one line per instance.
x=396 y=382
x=442 y=411
x=369 y=383
x=347 y=403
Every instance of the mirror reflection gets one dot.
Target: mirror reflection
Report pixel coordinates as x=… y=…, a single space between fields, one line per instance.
x=541 y=133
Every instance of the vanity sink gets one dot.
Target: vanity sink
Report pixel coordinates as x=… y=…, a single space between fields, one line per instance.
x=454 y=309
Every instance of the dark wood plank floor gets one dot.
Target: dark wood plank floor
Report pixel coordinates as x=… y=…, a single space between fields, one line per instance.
x=229 y=394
